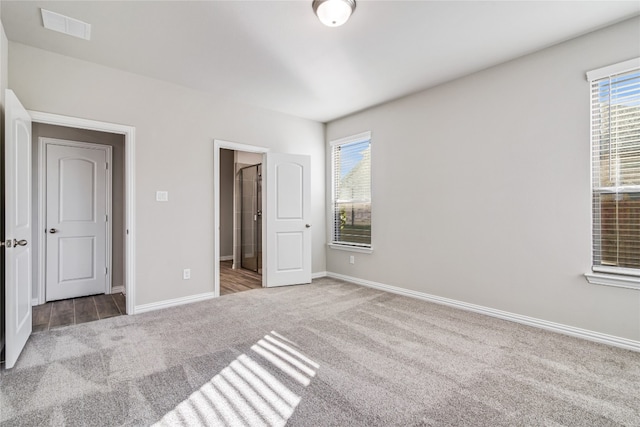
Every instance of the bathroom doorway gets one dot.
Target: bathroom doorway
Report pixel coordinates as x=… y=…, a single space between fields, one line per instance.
x=241 y=227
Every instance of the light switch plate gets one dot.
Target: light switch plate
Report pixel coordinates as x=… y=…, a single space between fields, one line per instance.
x=162 y=196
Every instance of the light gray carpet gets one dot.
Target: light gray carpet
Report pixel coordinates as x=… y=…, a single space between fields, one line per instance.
x=325 y=354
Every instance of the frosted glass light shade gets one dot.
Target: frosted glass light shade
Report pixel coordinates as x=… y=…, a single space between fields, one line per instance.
x=333 y=13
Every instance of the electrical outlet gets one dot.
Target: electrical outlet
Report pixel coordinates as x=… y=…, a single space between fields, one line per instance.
x=162 y=196
x=186 y=274
x=352 y=259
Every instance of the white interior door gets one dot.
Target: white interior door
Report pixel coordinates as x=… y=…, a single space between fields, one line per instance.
x=17 y=228
x=288 y=235
x=76 y=220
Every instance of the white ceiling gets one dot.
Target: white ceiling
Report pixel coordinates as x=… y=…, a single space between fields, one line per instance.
x=277 y=55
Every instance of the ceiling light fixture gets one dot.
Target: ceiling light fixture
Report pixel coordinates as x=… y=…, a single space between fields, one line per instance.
x=333 y=13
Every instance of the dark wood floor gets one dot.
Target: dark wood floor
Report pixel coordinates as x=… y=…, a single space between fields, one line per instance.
x=73 y=311
x=232 y=281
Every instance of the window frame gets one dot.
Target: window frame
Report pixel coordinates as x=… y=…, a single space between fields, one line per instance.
x=604 y=275
x=333 y=244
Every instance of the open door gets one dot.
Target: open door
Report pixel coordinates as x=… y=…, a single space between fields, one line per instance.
x=17 y=246
x=288 y=236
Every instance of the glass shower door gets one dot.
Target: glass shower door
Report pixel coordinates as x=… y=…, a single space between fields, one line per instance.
x=251 y=218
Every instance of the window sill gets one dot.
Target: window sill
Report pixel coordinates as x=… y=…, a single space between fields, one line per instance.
x=613 y=280
x=347 y=248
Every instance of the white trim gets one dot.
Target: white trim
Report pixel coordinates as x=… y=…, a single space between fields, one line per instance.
x=513 y=317
x=349 y=248
x=617 y=271
x=226 y=257
x=609 y=70
x=34 y=302
x=118 y=289
x=615 y=280
x=217 y=145
x=42 y=252
x=42 y=212
x=364 y=136
x=173 y=302
x=592 y=240
x=319 y=275
x=129 y=133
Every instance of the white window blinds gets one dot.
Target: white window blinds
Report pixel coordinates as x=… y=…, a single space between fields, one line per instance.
x=351 y=167
x=615 y=142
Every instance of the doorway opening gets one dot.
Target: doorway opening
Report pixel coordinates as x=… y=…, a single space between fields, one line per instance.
x=79 y=207
x=238 y=216
x=240 y=221
x=122 y=217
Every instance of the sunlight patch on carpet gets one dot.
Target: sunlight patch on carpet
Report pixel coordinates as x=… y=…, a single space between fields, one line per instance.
x=245 y=392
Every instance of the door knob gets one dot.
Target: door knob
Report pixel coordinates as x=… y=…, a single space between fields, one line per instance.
x=19 y=243
x=308 y=225
x=53 y=231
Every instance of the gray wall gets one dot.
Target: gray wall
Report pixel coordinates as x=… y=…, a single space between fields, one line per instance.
x=226 y=202
x=175 y=129
x=118 y=189
x=481 y=188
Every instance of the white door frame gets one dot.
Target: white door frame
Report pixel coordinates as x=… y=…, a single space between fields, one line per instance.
x=129 y=133
x=217 y=145
x=42 y=210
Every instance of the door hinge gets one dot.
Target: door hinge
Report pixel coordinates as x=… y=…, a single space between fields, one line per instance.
x=107 y=165
x=106 y=218
x=106 y=271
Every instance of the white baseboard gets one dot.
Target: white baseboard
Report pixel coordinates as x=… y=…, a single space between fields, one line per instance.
x=319 y=275
x=226 y=258
x=34 y=302
x=173 y=302
x=117 y=289
x=526 y=320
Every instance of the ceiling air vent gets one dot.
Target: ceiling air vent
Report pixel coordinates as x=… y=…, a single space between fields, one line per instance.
x=64 y=24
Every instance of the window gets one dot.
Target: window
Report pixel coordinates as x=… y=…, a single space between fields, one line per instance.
x=615 y=144
x=351 y=207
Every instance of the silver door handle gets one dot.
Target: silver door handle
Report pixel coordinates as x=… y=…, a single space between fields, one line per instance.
x=308 y=225
x=53 y=231
x=19 y=243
